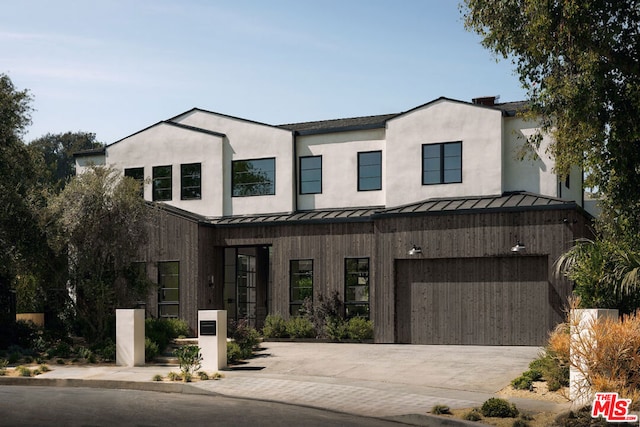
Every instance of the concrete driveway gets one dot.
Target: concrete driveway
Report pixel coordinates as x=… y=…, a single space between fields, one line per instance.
x=481 y=369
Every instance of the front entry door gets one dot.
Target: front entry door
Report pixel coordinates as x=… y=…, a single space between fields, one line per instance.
x=244 y=284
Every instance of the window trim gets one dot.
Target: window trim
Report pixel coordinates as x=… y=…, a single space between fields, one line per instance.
x=160 y=288
x=127 y=173
x=293 y=302
x=183 y=187
x=359 y=177
x=442 y=162
x=154 y=188
x=300 y=171
x=233 y=177
x=348 y=303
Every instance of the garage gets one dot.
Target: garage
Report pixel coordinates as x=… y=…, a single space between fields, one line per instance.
x=500 y=300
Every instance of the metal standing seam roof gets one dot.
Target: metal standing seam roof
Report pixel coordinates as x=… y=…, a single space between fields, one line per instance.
x=516 y=201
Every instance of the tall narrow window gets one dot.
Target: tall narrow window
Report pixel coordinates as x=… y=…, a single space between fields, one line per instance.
x=169 y=289
x=162 y=183
x=311 y=175
x=190 y=181
x=253 y=177
x=301 y=284
x=370 y=171
x=442 y=163
x=138 y=175
x=356 y=295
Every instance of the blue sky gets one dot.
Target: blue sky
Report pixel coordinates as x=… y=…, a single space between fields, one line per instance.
x=115 y=67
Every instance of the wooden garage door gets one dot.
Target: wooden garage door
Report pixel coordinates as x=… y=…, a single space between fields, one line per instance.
x=481 y=301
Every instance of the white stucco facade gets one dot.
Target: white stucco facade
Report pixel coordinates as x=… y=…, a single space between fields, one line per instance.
x=489 y=139
x=477 y=127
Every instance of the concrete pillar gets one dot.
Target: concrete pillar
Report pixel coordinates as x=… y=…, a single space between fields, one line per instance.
x=212 y=339
x=130 y=337
x=581 y=322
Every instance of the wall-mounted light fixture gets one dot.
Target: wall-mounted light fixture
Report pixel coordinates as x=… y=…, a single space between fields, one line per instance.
x=415 y=250
x=519 y=247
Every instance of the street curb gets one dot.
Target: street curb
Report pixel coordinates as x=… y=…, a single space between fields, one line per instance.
x=156 y=386
x=162 y=387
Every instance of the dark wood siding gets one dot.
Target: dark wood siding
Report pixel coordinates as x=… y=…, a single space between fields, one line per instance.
x=326 y=244
x=175 y=238
x=477 y=235
x=385 y=241
x=482 y=301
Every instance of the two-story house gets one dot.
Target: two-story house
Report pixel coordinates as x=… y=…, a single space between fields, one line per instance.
x=424 y=221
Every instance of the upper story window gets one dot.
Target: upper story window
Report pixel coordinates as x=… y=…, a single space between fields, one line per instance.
x=253 y=177
x=311 y=175
x=370 y=171
x=138 y=175
x=442 y=163
x=162 y=183
x=190 y=181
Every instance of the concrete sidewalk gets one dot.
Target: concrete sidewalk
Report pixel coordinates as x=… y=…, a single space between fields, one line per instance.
x=379 y=380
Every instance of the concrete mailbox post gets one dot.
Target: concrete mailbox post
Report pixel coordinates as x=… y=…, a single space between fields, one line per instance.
x=130 y=337
x=212 y=339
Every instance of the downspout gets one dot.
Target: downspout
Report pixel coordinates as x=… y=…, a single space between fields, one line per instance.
x=295 y=170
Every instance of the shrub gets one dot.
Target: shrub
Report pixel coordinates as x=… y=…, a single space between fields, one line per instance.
x=203 y=375
x=234 y=353
x=245 y=336
x=321 y=311
x=525 y=381
x=157 y=377
x=44 y=368
x=300 y=327
x=473 y=415
x=360 y=329
x=23 y=371
x=520 y=423
x=174 y=376
x=217 y=376
x=150 y=349
x=441 y=410
x=611 y=355
x=335 y=328
x=162 y=331
x=274 y=326
x=496 y=407
x=189 y=358
x=105 y=349
x=3 y=367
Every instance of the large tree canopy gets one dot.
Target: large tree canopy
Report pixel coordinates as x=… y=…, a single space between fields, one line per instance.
x=580 y=62
x=17 y=180
x=57 y=151
x=101 y=221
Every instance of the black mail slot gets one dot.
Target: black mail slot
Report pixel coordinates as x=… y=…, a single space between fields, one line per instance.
x=208 y=327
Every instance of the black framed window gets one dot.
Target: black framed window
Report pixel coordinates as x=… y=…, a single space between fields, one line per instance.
x=138 y=175
x=301 y=283
x=370 y=171
x=311 y=175
x=162 y=183
x=253 y=177
x=442 y=163
x=191 y=181
x=168 y=289
x=356 y=294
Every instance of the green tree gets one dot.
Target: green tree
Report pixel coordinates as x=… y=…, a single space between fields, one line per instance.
x=100 y=221
x=19 y=233
x=580 y=62
x=57 y=151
